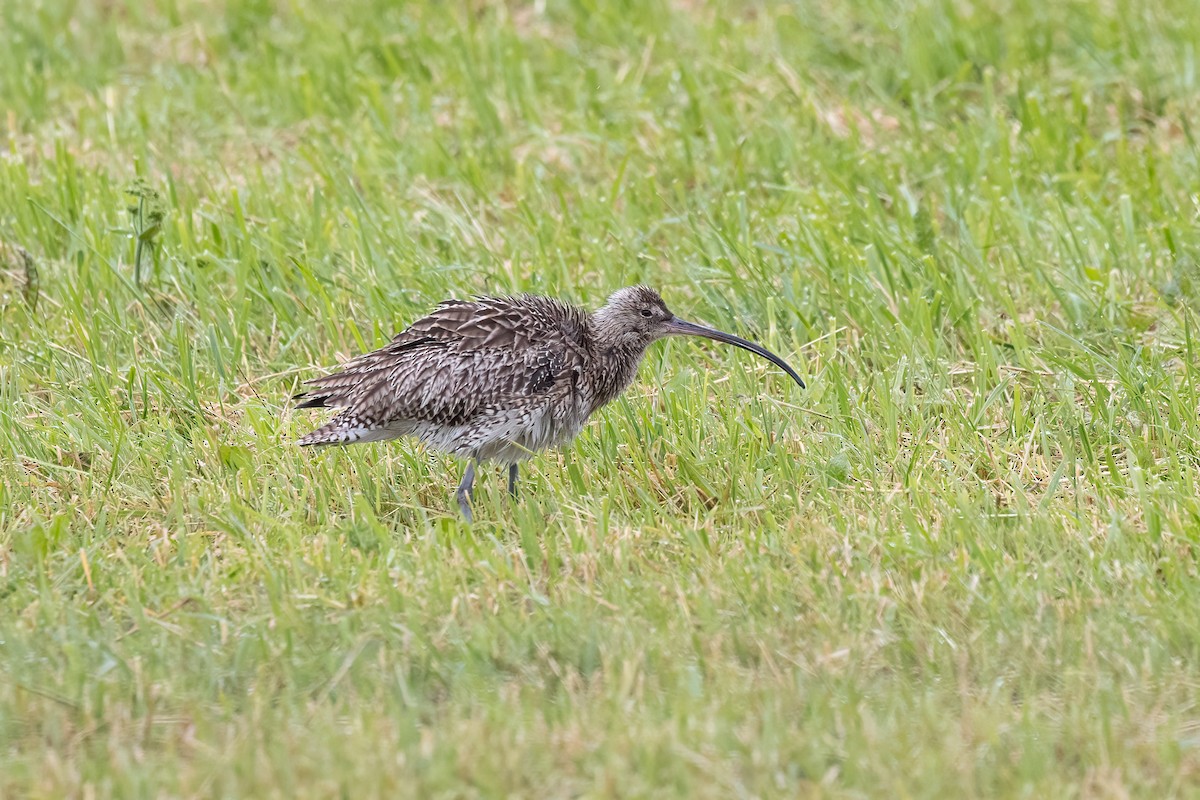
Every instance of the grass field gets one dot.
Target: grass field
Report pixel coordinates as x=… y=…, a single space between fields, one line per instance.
x=964 y=563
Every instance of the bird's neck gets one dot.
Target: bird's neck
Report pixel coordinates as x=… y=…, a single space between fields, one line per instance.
x=615 y=369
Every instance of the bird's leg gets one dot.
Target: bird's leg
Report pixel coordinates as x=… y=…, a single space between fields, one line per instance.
x=466 y=491
x=512 y=479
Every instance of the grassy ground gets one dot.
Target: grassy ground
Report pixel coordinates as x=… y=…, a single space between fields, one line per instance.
x=962 y=564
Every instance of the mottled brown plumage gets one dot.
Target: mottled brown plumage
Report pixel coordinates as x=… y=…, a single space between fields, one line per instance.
x=498 y=378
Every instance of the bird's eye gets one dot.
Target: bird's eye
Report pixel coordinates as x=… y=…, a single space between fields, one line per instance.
x=647 y=313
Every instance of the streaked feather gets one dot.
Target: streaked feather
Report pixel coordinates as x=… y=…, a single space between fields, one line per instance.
x=470 y=364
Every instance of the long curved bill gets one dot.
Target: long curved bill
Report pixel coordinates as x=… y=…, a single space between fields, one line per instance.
x=679 y=327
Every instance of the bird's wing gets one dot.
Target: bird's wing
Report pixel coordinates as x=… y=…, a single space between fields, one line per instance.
x=465 y=357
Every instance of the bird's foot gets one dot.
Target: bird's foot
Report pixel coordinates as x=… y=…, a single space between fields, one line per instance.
x=512 y=480
x=464 y=505
x=466 y=492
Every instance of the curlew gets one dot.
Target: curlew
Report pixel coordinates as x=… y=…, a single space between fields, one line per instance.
x=499 y=378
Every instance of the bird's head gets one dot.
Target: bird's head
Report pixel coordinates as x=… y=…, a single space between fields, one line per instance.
x=636 y=316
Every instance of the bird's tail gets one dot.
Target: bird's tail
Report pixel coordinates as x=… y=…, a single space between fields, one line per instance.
x=342 y=429
x=346 y=428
